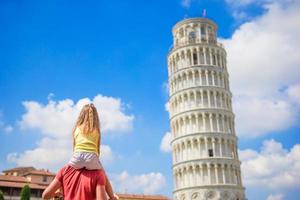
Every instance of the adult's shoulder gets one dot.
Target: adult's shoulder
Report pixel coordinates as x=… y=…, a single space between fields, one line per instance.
x=65 y=169
x=60 y=174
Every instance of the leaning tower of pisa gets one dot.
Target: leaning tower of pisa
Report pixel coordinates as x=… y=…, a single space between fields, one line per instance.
x=204 y=143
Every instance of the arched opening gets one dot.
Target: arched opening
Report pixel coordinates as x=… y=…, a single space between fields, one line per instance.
x=192 y=37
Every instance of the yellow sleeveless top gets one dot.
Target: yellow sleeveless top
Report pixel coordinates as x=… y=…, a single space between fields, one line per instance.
x=86 y=143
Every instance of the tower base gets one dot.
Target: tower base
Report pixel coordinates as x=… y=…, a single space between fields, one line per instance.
x=210 y=193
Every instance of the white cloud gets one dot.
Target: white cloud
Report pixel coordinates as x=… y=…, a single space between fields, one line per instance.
x=55 y=121
x=263 y=60
x=149 y=183
x=272 y=167
x=58 y=117
x=294 y=93
x=265 y=53
x=240 y=15
x=49 y=153
x=242 y=10
x=165 y=88
x=241 y=3
x=165 y=144
x=8 y=129
x=53 y=154
x=275 y=197
x=186 y=3
x=256 y=117
x=106 y=154
x=167 y=106
x=247 y=154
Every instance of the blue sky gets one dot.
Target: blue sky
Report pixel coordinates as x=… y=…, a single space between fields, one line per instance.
x=114 y=53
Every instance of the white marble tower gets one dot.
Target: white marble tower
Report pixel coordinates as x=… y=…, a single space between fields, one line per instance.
x=204 y=143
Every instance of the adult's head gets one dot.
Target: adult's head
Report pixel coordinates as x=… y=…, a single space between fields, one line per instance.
x=78 y=184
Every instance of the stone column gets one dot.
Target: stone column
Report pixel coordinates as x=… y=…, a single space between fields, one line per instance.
x=208 y=98
x=176 y=180
x=216 y=174
x=211 y=122
x=221 y=101
x=222 y=122
x=204 y=53
x=174 y=155
x=201 y=175
x=200 y=146
x=206 y=34
x=214 y=146
x=194 y=182
x=218 y=125
x=185 y=125
x=221 y=151
x=186 y=178
x=197 y=123
x=190 y=176
x=209 y=174
x=197 y=55
x=240 y=176
x=180 y=180
x=213 y=78
x=211 y=55
x=229 y=175
x=200 y=77
x=206 y=77
x=201 y=95
x=192 y=57
x=206 y=146
x=204 y=121
x=223 y=174
x=226 y=148
x=215 y=99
